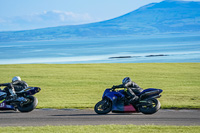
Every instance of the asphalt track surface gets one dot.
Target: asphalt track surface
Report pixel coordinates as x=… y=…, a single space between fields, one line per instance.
x=42 y=117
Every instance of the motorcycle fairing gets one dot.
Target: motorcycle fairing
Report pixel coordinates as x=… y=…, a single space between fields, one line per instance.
x=117 y=103
x=129 y=108
x=112 y=95
x=4 y=106
x=117 y=108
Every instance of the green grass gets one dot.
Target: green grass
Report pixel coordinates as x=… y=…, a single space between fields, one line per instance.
x=103 y=129
x=82 y=85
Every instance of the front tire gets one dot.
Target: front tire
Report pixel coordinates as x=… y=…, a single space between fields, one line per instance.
x=103 y=107
x=150 y=106
x=29 y=106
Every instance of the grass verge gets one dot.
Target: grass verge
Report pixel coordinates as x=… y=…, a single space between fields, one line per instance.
x=103 y=128
x=82 y=85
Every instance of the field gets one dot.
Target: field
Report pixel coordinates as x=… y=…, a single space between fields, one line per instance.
x=82 y=85
x=103 y=128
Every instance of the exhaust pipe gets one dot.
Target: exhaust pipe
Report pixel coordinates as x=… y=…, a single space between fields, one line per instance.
x=157 y=96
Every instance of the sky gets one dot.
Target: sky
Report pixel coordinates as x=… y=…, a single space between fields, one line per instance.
x=32 y=14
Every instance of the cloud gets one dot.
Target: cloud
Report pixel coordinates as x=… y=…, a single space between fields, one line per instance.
x=69 y=16
x=60 y=16
x=45 y=19
x=2 y=20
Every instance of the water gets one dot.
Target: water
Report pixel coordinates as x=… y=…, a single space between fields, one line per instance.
x=148 y=49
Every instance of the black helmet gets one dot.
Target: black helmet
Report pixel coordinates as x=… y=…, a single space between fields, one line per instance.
x=126 y=80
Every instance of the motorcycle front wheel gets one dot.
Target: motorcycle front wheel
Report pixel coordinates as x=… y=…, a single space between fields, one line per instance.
x=149 y=106
x=103 y=107
x=29 y=105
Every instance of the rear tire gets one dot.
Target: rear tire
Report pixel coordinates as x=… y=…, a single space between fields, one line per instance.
x=103 y=107
x=151 y=106
x=27 y=107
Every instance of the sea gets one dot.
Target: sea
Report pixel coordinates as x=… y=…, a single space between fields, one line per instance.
x=132 y=49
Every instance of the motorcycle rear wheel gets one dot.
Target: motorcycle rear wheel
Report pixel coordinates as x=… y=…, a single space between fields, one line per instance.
x=29 y=106
x=151 y=106
x=103 y=107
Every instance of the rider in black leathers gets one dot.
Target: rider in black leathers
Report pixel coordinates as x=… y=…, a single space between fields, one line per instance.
x=131 y=88
x=16 y=85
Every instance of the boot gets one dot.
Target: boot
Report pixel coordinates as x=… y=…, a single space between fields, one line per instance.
x=134 y=100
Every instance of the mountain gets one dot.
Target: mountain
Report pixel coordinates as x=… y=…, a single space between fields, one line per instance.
x=166 y=17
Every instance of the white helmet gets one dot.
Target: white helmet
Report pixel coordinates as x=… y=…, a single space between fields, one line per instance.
x=16 y=78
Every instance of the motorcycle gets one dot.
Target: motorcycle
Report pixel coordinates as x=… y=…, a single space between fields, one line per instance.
x=117 y=101
x=25 y=101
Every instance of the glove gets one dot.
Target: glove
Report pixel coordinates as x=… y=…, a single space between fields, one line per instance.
x=113 y=88
x=5 y=84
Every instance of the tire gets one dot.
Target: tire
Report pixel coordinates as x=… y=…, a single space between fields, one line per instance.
x=103 y=107
x=31 y=105
x=151 y=106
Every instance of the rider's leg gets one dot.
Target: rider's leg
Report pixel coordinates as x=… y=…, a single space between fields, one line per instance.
x=12 y=91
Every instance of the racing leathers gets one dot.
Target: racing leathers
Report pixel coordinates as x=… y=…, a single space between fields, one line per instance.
x=132 y=89
x=14 y=86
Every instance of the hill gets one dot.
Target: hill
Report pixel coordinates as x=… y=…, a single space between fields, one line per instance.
x=166 y=17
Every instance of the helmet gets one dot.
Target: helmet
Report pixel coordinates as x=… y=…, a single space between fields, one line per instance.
x=126 y=80
x=16 y=78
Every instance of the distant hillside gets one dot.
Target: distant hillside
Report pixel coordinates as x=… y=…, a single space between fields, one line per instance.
x=156 y=18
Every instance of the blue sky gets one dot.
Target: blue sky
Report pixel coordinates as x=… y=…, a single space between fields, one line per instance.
x=31 y=14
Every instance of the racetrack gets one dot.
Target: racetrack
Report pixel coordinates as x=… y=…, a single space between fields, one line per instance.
x=41 y=117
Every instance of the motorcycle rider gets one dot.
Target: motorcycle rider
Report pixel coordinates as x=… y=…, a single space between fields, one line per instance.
x=16 y=85
x=131 y=88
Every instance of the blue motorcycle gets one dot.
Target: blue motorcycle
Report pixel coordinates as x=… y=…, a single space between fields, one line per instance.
x=117 y=101
x=25 y=101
